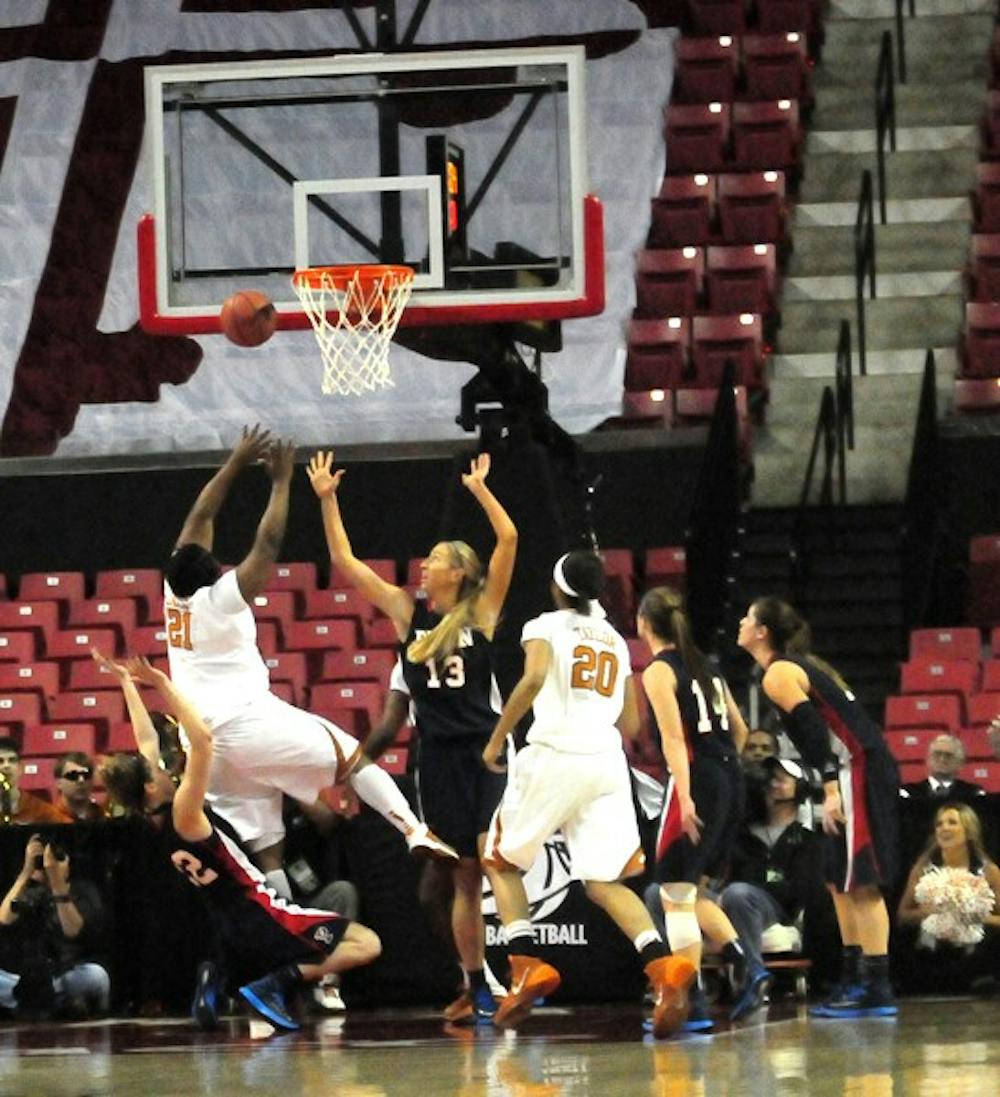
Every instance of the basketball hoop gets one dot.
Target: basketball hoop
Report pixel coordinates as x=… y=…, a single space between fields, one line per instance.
x=354 y=311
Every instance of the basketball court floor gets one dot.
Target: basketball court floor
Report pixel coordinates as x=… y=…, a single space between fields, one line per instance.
x=939 y=1046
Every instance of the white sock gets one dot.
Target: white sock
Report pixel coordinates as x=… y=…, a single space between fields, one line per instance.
x=380 y=791
x=519 y=932
x=647 y=937
x=277 y=881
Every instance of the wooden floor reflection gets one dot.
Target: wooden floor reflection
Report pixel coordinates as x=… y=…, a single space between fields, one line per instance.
x=933 y=1048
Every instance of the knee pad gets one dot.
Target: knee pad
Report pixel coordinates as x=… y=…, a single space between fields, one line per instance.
x=682 y=929
x=679 y=894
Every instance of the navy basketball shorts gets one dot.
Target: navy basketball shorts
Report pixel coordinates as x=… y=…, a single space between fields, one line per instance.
x=457 y=793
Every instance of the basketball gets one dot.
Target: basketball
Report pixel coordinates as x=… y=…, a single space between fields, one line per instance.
x=248 y=318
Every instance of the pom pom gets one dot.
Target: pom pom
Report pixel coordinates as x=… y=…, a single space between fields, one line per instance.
x=957 y=901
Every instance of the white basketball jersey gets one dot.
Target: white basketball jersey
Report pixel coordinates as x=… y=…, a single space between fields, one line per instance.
x=584 y=690
x=212 y=648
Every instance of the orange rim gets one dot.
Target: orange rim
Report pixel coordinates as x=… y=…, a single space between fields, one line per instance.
x=341 y=276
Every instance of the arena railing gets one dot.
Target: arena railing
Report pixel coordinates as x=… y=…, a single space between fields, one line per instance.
x=864 y=261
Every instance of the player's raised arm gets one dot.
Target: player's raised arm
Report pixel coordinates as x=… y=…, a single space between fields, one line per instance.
x=190 y=820
x=392 y=600
x=253 y=573
x=146 y=740
x=199 y=526
x=501 y=566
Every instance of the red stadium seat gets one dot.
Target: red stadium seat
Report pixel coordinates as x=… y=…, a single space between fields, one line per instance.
x=56 y=739
x=296 y=577
x=986 y=197
x=17 y=647
x=776 y=66
x=46 y=586
x=640 y=658
x=977 y=746
x=277 y=606
x=337 y=603
x=981 y=340
x=20 y=710
x=910 y=744
x=974 y=395
x=666 y=566
x=358 y=666
x=991 y=676
x=718 y=340
x=382 y=567
x=752 y=207
x=669 y=281
x=717 y=16
x=40 y=678
x=39 y=617
x=85 y=674
x=654 y=407
x=742 y=278
x=75 y=643
x=697 y=137
x=100 y=707
x=120 y=737
x=657 y=353
x=413 y=567
x=696 y=406
x=983 y=709
x=705 y=69
x=766 y=135
x=320 y=634
x=380 y=632
x=118 y=614
x=939 y=711
x=986 y=774
x=289 y=668
x=946 y=643
x=683 y=211
x=995 y=642
x=144 y=585
x=984 y=267
x=912 y=771
x=149 y=640
x=38 y=776
x=788 y=15
x=394 y=760
x=284 y=690
x=940 y=676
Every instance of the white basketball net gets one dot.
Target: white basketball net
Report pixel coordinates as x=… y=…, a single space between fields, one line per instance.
x=354 y=312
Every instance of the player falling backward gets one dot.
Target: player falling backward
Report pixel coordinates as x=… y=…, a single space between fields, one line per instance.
x=573 y=776
x=290 y=945
x=264 y=747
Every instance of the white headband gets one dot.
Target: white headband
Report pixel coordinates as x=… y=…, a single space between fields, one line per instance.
x=559 y=578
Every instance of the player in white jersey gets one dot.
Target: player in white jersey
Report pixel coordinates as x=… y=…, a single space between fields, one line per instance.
x=264 y=747
x=573 y=776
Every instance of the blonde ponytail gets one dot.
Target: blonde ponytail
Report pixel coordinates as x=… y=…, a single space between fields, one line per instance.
x=442 y=640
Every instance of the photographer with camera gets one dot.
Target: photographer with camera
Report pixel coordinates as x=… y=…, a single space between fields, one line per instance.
x=51 y=928
x=17 y=805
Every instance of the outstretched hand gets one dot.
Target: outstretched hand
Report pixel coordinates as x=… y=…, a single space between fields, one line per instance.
x=479 y=469
x=252 y=446
x=141 y=670
x=279 y=459
x=324 y=480
x=119 y=670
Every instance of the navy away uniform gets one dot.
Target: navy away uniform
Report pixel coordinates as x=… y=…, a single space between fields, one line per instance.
x=867 y=852
x=456 y=704
x=265 y=931
x=717 y=784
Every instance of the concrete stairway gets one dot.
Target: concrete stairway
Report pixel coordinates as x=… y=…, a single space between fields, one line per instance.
x=920 y=252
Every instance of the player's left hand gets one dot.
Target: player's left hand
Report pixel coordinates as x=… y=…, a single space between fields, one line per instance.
x=479 y=469
x=322 y=476
x=491 y=752
x=833 y=815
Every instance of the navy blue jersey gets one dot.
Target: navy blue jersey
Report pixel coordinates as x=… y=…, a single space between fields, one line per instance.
x=455 y=697
x=853 y=732
x=705 y=719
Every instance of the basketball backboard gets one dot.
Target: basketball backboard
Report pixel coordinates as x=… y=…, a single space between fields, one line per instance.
x=469 y=166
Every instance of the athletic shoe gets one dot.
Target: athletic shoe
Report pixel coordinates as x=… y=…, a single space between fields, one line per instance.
x=266 y=998
x=460 y=1010
x=484 y=1005
x=423 y=842
x=671 y=977
x=530 y=980
x=205 y=1003
x=326 y=995
x=753 y=993
x=698 y=1018
x=870 y=1002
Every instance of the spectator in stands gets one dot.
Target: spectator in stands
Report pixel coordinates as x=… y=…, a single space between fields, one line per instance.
x=17 y=805
x=994 y=733
x=938 y=899
x=761 y=744
x=74 y=774
x=945 y=757
x=52 y=929
x=776 y=865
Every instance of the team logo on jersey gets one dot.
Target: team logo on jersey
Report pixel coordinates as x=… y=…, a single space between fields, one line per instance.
x=547 y=884
x=322 y=936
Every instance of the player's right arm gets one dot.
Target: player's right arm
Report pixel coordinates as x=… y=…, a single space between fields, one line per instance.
x=188 y=809
x=254 y=572
x=199 y=526
x=537 y=660
x=660 y=684
x=146 y=739
x=383 y=734
x=393 y=601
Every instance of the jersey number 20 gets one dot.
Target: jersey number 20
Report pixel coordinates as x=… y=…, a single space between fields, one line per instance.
x=596 y=670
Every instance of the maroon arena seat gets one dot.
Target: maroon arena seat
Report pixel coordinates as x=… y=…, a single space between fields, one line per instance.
x=18 y=647
x=655 y=408
x=986 y=197
x=669 y=281
x=936 y=710
x=752 y=207
x=360 y=666
x=957 y=677
x=657 y=353
x=683 y=211
x=977 y=394
x=910 y=744
x=118 y=614
x=697 y=137
x=56 y=739
x=667 y=566
x=789 y=15
x=717 y=16
x=144 y=585
x=984 y=266
x=742 y=278
x=981 y=340
x=706 y=69
x=44 y=586
x=982 y=709
x=776 y=66
x=42 y=678
x=766 y=135
x=716 y=340
x=695 y=406
x=946 y=643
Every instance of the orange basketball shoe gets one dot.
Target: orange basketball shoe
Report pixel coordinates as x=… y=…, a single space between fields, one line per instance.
x=530 y=979
x=670 y=977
